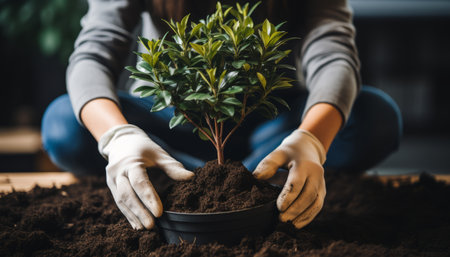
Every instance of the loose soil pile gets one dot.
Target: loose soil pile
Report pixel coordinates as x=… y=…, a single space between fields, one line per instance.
x=217 y=188
x=361 y=217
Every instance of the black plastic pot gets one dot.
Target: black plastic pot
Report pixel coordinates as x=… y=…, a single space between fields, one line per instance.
x=223 y=227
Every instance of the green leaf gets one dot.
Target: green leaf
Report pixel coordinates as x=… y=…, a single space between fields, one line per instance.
x=162 y=41
x=171 y=45
x=253 y=8
x=171 y=25
x=273 y=109
x=144 y=42
x=253 y=80
x=238 y=6
x=143 y=88
x=183 y=25
x=244 y=46
x=196 y=30
x=212 y=75
x=232 y=101
x=236 y=27
x=178 y=40
x=275 y=37
x=264 y=37
x=166 y=96
x=155 y=58
x=281 y=85
x=222 y=119
x=230 y=33
x=286 y=66
x=150 y=92
x=158 y=105
x=147 y=58
x=233 y=90
x=228 y=79
x=246 y=66
x=266 y=27
x=176 y=120
x=205 y=79
x=225 y=109
x=142 y=77
x=202 y=136
x=280 y=101
x=198 y=96
x=222 y=82
x=144 y=67
x=132 y=69
x=238 y=64
x=247 y=33
x=279 y=25
x=278 y=56
x=262 y=79
x=199 y=49
x=188 y=106
x=216 y=46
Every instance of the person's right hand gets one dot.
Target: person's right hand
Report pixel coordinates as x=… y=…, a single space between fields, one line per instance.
x=129 y=152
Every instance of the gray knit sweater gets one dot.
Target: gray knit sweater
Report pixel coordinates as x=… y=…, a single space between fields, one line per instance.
x=327 y=56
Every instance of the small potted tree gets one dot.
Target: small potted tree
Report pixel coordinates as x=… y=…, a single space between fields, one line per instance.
x=213 y=72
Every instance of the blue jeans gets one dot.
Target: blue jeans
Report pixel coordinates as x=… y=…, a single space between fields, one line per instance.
x=372 y=132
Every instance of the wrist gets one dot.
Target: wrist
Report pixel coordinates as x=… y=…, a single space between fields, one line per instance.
x=310 y=146
x=323 y=121
x=100 y=115
x=114 y=134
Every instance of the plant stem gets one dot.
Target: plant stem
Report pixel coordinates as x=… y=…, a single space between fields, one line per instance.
x=200 y=129
x=243 y=114
x=219 y=145
x=209 y=125
x=220 y=156
x=217 y=139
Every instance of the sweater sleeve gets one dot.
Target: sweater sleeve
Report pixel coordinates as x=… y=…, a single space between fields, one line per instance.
x=100 y=50
x=330 y=61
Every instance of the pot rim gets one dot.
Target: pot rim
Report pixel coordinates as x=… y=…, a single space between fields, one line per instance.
x=218 y=213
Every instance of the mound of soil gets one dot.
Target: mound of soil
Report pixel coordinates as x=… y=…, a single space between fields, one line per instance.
x=217 y=188
x=361 y=217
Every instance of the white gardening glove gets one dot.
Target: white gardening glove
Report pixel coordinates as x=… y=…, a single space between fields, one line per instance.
x=303 y=194
x=129 y=152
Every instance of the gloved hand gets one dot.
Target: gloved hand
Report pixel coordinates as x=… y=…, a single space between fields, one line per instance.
x=303 y=194
x=129 y=152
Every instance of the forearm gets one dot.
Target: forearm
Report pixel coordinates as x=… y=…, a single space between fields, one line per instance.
x=324 y=121
x=329 y=56
x=101 y=114
x=100 y=51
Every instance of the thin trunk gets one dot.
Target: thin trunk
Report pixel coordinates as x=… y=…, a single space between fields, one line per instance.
x=219 y=145
x=220 y=156
x=200 y=129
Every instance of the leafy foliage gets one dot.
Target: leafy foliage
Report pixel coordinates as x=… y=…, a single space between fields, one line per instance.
x=222 y=68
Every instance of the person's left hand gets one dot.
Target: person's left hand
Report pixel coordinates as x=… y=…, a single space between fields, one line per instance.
x=303 y=194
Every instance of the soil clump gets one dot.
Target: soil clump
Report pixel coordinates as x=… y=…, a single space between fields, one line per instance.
x=218 y=188
x=361 y=217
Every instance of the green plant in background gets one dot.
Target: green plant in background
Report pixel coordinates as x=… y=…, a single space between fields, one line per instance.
x=48 y=25
x=220 y=69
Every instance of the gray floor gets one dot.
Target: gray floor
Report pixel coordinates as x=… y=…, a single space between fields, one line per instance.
x=418 y=154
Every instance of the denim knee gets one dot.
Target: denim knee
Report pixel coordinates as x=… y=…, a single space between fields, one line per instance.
x=69 y=145
x=372 y=133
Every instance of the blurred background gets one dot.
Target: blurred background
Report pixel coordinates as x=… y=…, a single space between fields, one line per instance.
x=403 y=45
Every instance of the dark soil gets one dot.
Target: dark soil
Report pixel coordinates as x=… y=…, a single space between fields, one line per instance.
x=361 y=217
x=217 y=188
